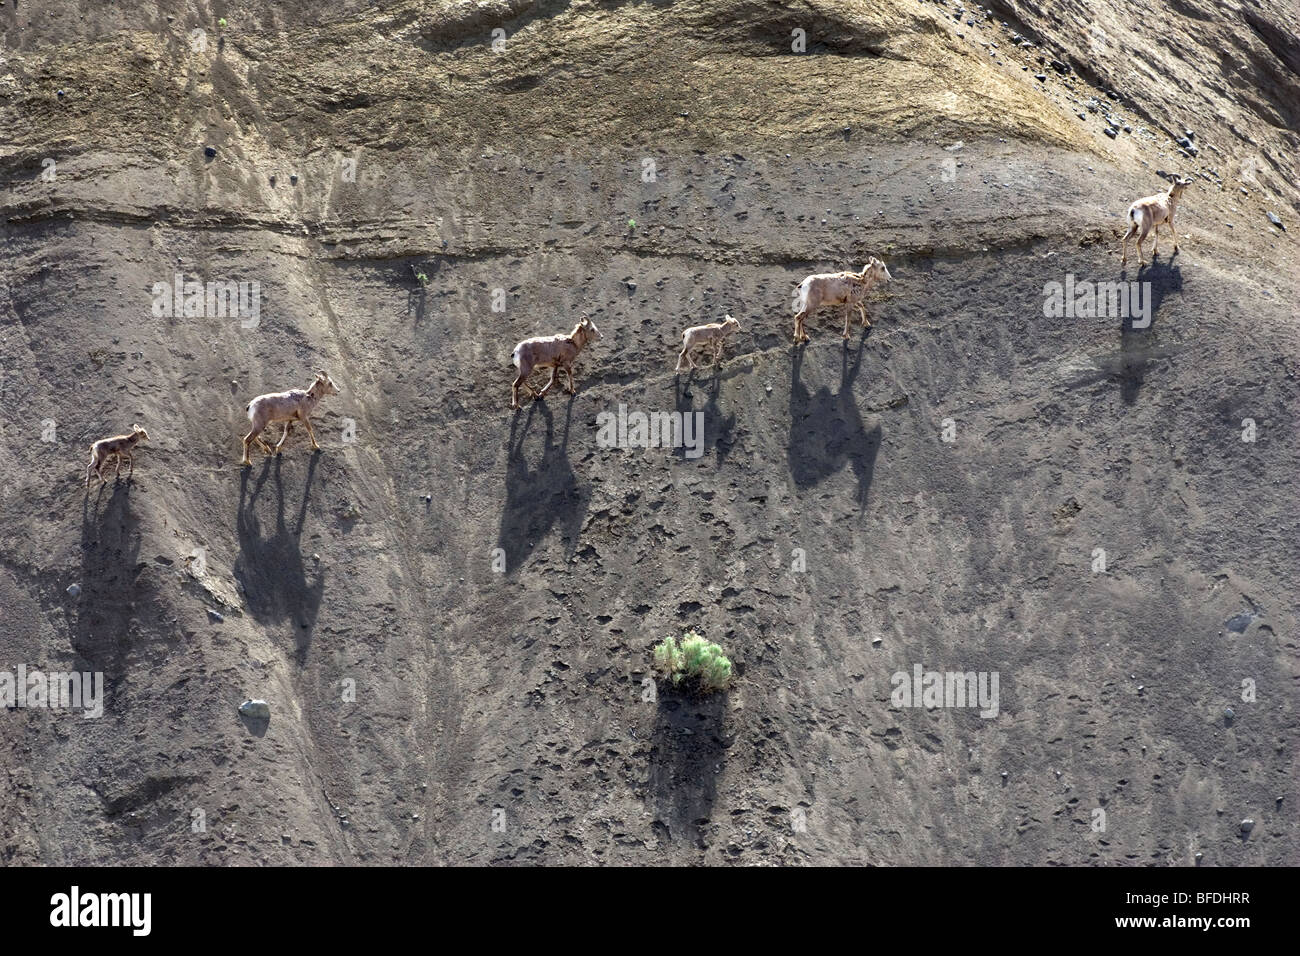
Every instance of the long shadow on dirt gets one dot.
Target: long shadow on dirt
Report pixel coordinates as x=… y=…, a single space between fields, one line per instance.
x=717 y=428
x=270 y=565
x=1136 y=344
x=689 y=751
x=826 y=429
x=543 y=497
x=110 y=548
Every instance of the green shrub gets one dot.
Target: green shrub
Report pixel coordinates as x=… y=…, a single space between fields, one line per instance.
x=698 y=661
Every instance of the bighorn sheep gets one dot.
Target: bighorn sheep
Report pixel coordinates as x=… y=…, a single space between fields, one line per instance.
x=120 y=446
x=1151 y=213
x=848 y=289
x=555 y=352
x=714 y=333
x=295 y=405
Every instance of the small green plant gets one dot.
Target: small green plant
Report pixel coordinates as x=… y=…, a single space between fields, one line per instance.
x=631 y=224
x=222 y=23
x=697 y=661
x=421 y=278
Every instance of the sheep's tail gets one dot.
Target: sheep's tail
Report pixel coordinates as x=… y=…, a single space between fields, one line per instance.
x=802 y=300
x=514 y=357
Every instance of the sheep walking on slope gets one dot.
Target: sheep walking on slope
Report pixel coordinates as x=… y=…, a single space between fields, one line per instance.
x=713 y=334
x=118 y=447
x=556 y=352
x=1152 y=213
x=848 y=289
x=295 y=405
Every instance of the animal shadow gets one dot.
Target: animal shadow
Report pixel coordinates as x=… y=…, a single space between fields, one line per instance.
x=1135 y=343
x=270 y=565
x=718 y=430
x=541 y=497
x=826 y=429
x=110 y=549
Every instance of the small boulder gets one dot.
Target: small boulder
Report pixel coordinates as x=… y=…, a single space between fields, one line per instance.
x=255 y=710
x=74 y=590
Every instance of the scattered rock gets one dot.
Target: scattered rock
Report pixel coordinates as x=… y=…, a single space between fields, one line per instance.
x=1199 y=857
x=1239 y=622
x=1272 y=217
x=74 y=590
x=215 y=616
x=209 y=151
x=1228 y=714
x=1111 y=132
x=1041 y=77
x=255 y=709
x=1247 y=825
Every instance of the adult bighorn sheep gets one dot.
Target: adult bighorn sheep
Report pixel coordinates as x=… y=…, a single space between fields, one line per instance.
x=1151 y=213
x=119 y=447
x=295 y=405
x=848 y=289
x=556 y=352
x=712 y=334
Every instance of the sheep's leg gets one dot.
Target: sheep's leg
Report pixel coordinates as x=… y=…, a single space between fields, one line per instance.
x=717 y=351
x=1174 y=231
x=862 y=311
x=1139 y=244
x=311 y=432
x=800 y=335
x=573 y=389
x=130 y=459
x=285 y=435
x=555 y=374
x=848 y=315
x=1123 y=245
x=680 y=358
x=89 y=469
x=514 y=390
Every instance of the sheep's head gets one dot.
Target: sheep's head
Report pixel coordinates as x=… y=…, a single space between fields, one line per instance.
x=588 y=329
x=1180 y=183
x=731 y=324
x=324 y=385
x=139 y=433
x=876 y=269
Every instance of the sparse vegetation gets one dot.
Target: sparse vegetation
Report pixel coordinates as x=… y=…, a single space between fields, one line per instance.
x=694 y=661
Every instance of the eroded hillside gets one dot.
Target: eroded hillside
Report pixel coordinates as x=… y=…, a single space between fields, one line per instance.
x=656 y=165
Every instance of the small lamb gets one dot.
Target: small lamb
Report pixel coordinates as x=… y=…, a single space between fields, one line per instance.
x=119 y=446
x=1152 y=213
x=714 y=334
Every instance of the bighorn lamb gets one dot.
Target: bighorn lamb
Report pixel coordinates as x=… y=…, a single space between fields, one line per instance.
x=120 y=447
x=1151 y=213
x=714 y=333
x=555 y=352
x=295 y=405
x=848 y=289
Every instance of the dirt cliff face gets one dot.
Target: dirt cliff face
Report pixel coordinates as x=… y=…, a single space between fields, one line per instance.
x=450 y=608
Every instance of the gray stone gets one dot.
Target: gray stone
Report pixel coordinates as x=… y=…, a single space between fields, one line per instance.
x=255 y=709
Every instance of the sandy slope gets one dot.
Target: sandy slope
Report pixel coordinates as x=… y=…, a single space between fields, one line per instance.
x=414 y=690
